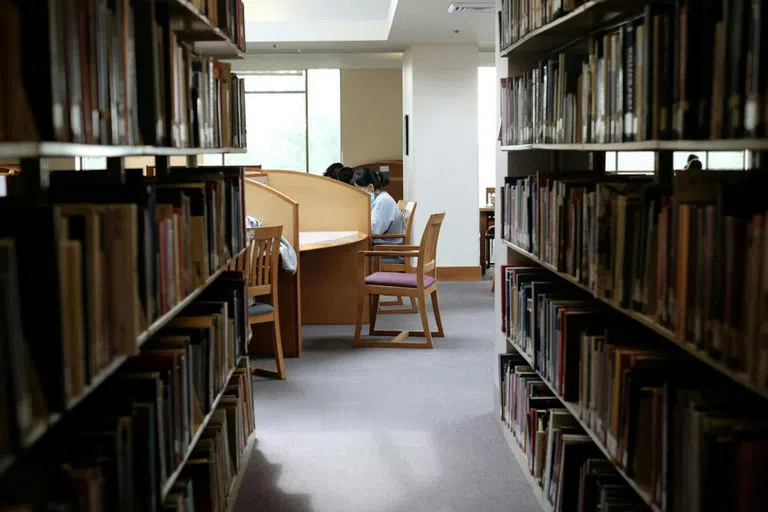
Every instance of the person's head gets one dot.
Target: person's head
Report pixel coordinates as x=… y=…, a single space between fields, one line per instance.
x=693 y=164
x=371 y=182
x=345 y=175
x=333 y=170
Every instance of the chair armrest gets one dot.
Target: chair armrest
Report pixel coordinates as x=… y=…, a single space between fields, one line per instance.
x=389 y=235
x=413 y=254
x=384 y=247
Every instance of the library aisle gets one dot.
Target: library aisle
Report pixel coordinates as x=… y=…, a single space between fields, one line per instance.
x=384 y=429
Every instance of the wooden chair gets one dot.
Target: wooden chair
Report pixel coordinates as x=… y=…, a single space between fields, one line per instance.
x=261 y=264
x=418 y=284
x=407 y=211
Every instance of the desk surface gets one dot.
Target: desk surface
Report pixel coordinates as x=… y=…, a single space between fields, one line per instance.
x=313 y=240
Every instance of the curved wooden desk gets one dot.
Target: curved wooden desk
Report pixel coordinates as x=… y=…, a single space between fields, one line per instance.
x=330 y=261
x=314 y=240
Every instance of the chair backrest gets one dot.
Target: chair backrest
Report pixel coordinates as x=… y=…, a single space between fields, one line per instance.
x=407 y=211
x=428 y=246
x=262 y=259
x=488 y=192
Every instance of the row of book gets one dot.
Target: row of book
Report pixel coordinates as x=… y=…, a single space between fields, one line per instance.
x=643 y=80
x=114 y=457
x=194 y=352
x=517 y=18
x=113 y=72
x=111 y=259
x=228 y=15
x=692 y=258
x=669 y=426
x=572 y=472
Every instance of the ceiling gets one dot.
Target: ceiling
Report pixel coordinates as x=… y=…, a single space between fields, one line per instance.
x=348 y=26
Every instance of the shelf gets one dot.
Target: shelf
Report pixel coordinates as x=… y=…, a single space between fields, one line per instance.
x=175 y=310
x=198 y=433
x=574 y=410
x=192 y=26
x=68 y=149
x=538 y=492
x=738 y=377
x=238 y=480
x=575 y=25
x=47 y=424
x=651 y=145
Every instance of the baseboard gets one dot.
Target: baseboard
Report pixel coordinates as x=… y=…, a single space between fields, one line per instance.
x=459 y=273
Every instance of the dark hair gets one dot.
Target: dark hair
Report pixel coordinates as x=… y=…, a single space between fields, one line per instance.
x=345 y=175
x=692 y=157
x=695 y=165
x=333 y=170
x=366 y=176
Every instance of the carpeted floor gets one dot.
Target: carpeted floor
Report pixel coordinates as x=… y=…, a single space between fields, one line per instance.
x=387 y=429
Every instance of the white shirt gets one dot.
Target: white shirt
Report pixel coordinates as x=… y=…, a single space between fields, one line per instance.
x=386 y=218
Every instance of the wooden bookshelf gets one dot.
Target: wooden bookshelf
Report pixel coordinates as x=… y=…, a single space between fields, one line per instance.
x=536 y=489
x=198 y=433
x=238 y=480
x=198 y=29
x=574 y=410
x=133 y=77
x=18 y=150
x=738 y=377
x=597 y=49
x=53 y=419
x=576 y=24
x=652 y=145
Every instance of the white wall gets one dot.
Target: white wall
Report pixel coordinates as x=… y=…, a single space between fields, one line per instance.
x=440 y=96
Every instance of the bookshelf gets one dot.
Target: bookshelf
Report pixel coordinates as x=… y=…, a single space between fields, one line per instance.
x=125 y=382
x=579 y=79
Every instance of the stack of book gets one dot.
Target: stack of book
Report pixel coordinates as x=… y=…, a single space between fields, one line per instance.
x=115 y=72
x=184 y=402
x=641 y=404
x=113 y=259
x=691 y=258
x=571 y=471
x=228 y=15
x=643 y=80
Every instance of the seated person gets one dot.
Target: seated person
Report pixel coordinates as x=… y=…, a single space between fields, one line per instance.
x=333 y=170
x=385 y=215
x=345 y=175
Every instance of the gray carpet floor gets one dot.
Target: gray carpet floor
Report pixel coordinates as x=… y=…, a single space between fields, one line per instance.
x=387 y=429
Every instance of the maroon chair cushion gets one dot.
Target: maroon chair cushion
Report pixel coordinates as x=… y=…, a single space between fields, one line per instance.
x=397 y=279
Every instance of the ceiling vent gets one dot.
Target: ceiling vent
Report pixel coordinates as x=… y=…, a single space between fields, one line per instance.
x=471 y=7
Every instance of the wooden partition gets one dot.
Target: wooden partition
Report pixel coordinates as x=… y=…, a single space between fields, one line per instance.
x=274 y=208
x=395 y=167
x=328 y=276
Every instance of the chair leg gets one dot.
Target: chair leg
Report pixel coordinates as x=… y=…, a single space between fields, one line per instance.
x=372 y=313
x=438 y=320
x=360 y=309
x=424 y=320
x=279 y=362
x=413 y=308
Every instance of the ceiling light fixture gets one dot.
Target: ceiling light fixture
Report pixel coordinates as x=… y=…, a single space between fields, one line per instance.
x=471 y=7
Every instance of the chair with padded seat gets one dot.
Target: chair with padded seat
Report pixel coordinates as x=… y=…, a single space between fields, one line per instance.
x=417 y=284
x=261 y=264
x=400 y=264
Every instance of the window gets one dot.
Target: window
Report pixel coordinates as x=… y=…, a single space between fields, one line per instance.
x=487 y=98
x=293 y=120
x=643 y=161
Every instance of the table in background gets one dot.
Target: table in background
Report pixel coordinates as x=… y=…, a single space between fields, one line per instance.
x=487 y=219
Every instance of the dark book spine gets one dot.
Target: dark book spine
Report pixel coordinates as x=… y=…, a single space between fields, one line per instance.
x=737 y=72
x=629 y=82
x=646 y=114
x=755 y=79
